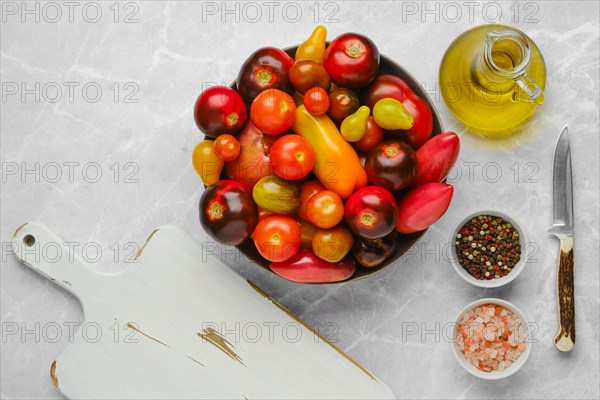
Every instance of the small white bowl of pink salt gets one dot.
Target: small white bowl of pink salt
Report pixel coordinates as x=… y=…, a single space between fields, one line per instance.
x=491 y=339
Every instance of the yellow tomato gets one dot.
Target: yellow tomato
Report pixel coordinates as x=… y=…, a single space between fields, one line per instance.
x=206 y=162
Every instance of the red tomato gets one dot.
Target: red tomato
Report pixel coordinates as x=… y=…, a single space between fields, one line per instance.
x=227 y=147
x=352 y=60
x=325 y=209
x=219 y=110
x=292 y=157
x=372 y=138
x=422 y=206
x=316 y=101
x=371 y=212
x=307 y=190
x=273 y=111
x=436 y=158
x=277 y=237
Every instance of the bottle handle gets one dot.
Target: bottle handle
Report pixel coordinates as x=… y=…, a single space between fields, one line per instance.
x=534 y=94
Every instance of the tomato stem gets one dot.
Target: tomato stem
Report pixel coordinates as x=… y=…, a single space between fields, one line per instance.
x=355 y=49
x=215 y=210
x=264 y=77
x=391 y=151
x=367 y=218
x=232 y=119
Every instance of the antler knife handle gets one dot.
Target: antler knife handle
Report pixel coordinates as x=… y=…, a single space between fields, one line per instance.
x=565 y=338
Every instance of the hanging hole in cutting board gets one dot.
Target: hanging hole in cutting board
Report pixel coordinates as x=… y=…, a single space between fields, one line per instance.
x=29 y=240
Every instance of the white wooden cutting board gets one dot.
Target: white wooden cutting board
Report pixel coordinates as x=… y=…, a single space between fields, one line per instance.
x=177 y=310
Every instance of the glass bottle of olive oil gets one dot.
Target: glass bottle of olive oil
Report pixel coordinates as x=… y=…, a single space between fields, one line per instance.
x=492 y=78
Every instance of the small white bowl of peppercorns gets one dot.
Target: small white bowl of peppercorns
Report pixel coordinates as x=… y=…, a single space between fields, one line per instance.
x=488 y=248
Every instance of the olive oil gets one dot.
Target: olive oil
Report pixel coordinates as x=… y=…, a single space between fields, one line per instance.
x=492 y=78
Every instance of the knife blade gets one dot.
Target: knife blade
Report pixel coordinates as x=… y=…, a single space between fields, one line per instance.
x=562 y=224
x=562 y=227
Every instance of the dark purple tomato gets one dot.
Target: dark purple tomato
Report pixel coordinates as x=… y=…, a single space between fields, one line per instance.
x=342 y=102
x=228 y=212
x=266 y=68
x=392 y=165
x=219 y=110
x=371 y=212
x=372 y=252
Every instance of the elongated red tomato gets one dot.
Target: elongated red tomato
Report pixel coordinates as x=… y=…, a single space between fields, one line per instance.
x=306 y=267
x=436 y=158
x=423 y=206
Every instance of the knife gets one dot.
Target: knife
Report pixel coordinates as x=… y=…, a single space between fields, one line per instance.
x=562 y=228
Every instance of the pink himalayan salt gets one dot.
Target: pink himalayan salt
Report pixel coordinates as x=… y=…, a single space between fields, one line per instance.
x=491 y=337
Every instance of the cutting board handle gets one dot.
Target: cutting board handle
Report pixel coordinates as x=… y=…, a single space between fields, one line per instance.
x=41 y=250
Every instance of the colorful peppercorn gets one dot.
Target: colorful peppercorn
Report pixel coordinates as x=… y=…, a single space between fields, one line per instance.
x=488 y=247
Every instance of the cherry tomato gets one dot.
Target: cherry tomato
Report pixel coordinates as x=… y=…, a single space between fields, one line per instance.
x=325 y=209
x=316 y=101
x=206 y=162
x=227 y=212
x=372 y=138
x=277 y=237
x=370 y=253
x=227 y=147
x=292 y=157
x=273 y=111
x=392 y=165
x=307 y=190
x=371 y=212
x=266 y=68
x=332 y=244
x=352 y=60
x=343 y=102
x=218 y=110
x=306 y=74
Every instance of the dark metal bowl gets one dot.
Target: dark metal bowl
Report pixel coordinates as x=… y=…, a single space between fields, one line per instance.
x=386 y=66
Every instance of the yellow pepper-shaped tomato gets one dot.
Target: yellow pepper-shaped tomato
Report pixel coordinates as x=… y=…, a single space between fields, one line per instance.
x=206 y=162
x=313 y=48
x=354 y=126
x=337 y=165
x=390 y=114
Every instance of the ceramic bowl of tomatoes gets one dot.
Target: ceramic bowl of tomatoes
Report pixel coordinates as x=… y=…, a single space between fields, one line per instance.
x=323 y=162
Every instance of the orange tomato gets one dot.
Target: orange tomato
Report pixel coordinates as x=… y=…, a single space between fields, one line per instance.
x=307 y=190
x=332 y=244
x=277 y=237
x=227 y=147
x=325 y=209
x=273 y=111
